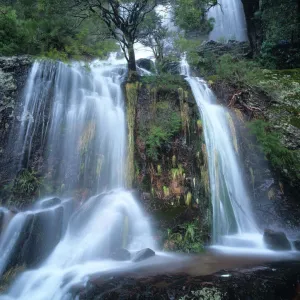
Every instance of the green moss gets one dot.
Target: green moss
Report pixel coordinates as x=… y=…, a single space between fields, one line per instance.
x=131 y=90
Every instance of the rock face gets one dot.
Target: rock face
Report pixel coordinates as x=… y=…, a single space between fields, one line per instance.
x=276 y=240
x=143 y=254
x=13 y=74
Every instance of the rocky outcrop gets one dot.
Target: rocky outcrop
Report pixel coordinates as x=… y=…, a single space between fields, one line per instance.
x=13 y=74
x=167 y=154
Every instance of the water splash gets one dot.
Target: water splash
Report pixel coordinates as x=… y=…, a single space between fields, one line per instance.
x=84 y=250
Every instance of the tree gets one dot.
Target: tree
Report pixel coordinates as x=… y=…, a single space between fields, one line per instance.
x=153 y=34
x=123 y=18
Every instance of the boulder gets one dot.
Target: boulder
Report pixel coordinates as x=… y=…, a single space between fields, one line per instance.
x=146 y=64
x=275 y=240
x=121 y=254
x=143 y=254
x=296 y=245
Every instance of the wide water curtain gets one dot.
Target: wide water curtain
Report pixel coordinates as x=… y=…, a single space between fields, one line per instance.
x=76 y=115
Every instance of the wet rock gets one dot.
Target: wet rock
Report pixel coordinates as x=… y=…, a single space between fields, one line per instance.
x=146 y=64
x=51 y=202
x=296 y=245
x=276 y=240
x=275 y=281
x=143 y=254
x=121 y=254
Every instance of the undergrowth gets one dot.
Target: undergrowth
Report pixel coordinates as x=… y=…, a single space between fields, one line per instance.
x=279 y=156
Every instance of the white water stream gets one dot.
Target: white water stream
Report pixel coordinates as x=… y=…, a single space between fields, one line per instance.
x=233 y=221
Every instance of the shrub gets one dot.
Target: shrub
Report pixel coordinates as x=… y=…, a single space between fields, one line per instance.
x=185 y=238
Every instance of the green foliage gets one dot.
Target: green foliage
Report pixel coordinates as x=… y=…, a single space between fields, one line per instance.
x=26 y=187
x=48 y=28
x=238 y=71
x=190 y=47
x=278 y=155
x=13 y=35
x=161 y=131
x=190 y=15
x=185 y=238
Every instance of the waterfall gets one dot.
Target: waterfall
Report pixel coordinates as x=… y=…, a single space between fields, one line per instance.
x=84 y=141
x=73 y=112
x=233 y=221
x=230 y=22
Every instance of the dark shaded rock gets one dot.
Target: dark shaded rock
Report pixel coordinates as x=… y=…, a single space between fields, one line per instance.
x=1 y=219
x=146 y=64
x=297 y=245
x=51 y=202
x=143 y=254
x=276 y=240
x=276 y=281
x=40 y=233
x=121 y=254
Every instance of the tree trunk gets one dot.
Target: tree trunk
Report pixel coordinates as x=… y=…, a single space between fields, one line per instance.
x=132 y=73
x=131 y=58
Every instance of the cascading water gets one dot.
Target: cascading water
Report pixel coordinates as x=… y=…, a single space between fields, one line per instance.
x=84 y=135
x=233 y=221
x=80 y=137
x=230 y=22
